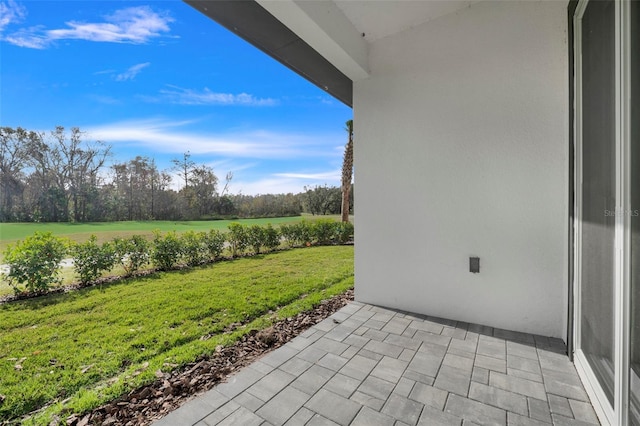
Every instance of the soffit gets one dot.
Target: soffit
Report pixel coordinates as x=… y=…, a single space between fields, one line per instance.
x=382 y=18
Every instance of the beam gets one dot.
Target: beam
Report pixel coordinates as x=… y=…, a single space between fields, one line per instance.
x=325 y=28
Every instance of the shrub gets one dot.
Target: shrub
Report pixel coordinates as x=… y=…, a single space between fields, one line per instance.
x=288 y=234
x=167 y=250
x=271 y=237
x=194 y=249
x=131 y=253
x=324 y=231
x=91 y=259
x=214 y=241
x=35 y=262
x=344 y=232
x=297 y=234
x=255 y=237
x=302 y=233
x=238 y=238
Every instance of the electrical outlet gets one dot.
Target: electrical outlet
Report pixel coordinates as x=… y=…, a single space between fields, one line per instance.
x=474 y=265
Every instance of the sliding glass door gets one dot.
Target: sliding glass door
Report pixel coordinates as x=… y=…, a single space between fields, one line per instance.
x=597 y=192
x=607 y=207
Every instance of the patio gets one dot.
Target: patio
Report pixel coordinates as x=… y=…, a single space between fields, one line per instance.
x=367 y=365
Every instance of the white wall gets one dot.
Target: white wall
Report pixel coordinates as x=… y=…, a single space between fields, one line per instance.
x=461 y=150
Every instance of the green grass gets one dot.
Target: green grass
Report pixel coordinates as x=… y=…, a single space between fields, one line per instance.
x=92 y=345
x=10 y=233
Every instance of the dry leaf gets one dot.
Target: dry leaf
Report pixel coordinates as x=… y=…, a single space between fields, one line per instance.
x=18 y=365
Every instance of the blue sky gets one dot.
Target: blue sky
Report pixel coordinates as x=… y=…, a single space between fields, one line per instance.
x=158 y=79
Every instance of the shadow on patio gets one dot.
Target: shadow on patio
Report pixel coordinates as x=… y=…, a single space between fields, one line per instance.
x=367 y=365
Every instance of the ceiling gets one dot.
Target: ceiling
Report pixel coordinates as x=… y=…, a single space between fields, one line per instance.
x=381 y=18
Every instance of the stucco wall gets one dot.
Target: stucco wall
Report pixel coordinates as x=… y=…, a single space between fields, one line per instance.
x=461 y=150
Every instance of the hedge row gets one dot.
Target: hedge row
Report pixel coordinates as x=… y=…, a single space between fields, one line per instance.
x=34 y=264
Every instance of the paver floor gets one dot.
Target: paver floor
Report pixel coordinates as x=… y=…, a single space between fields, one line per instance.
x=367 y=365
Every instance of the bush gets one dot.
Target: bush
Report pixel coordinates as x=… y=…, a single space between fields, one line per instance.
x=256 y=237
x=271 y=238
x=302 y=233
x=297 y=234
x=324 y=231
x=238 y=238
x=214 y=241
x=288 y=234
x=90 y=259
x=194 y=249
x=35 y=262
x=344 y=232
x=131 y=253
x=167 y=250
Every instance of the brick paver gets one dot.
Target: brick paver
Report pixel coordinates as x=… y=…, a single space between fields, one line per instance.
x=367 y=365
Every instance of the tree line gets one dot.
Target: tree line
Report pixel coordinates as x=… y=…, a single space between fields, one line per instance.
x=61 y=176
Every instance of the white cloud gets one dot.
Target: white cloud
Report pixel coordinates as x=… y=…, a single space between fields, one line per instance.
x=325 y=176
x=282 y=183
x=11 y=12
x=259 y=159
x=132 y=72
x=104 y=72
x=28 y=38
x=183 y=96
x=134 y=25
x=166 y=136
x=269 y=185
x=229 y=165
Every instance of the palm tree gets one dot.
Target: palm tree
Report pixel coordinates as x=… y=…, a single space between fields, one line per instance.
x=347 y=172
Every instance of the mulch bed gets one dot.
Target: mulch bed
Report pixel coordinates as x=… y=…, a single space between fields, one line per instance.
x=144 y=405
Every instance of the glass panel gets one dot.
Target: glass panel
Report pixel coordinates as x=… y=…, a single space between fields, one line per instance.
x=598 y=191
x=634 y=373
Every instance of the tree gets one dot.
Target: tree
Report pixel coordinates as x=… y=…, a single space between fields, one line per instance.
x=322 y=200
x=76 y=164
x=227 y=181
x=167 y=202
x=184 y=167
x=137 y=183
x=347 y=172
x=43 y=198
x=14 y=153
x=203 y=190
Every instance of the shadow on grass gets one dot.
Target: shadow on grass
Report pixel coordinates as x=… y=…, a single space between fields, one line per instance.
x=72 y=293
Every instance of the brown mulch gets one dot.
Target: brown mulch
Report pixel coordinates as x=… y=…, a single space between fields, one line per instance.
x=144 y=405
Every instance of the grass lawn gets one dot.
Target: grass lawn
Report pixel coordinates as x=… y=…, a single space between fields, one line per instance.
x=10 y=233
x=91 y=345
